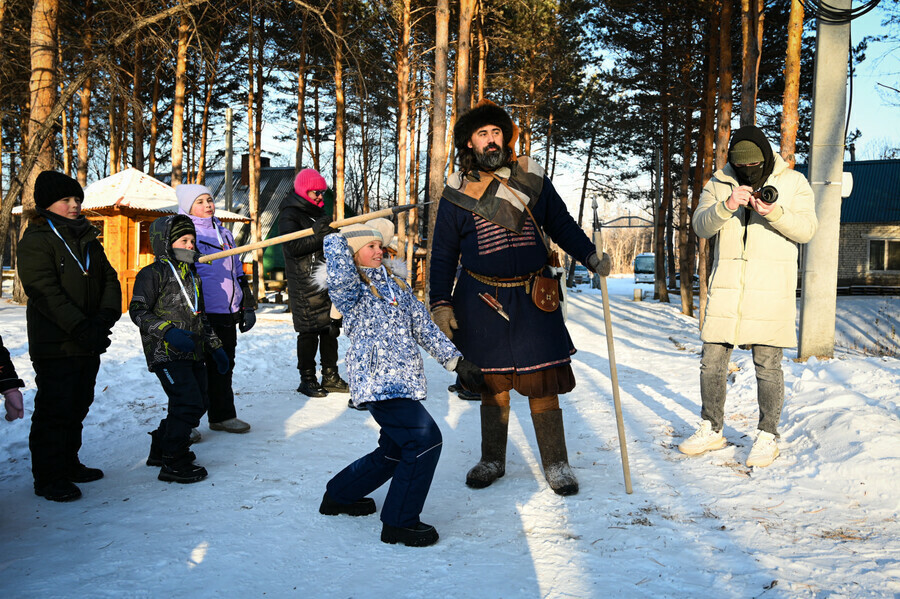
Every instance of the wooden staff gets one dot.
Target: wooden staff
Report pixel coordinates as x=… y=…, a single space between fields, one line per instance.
x=613 y=374
x=387 y=212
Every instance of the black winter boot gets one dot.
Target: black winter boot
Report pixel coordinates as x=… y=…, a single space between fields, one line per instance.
x=360 y=507
x=309 y=384
x=79 y=473
x=332 y=381
x=420 y=535
x=551 y=439
x=494 y=427
x=156 y=455
x=58 y=490
x=181 y=469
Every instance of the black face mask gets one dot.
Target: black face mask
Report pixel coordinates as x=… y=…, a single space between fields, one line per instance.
x=185 y=255
x=750 y=175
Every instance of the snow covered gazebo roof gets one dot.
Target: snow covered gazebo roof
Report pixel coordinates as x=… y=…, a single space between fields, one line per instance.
x=135 y=192
x=134 y=189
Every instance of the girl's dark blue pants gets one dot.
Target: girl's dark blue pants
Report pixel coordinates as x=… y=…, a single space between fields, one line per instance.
x=409 y=446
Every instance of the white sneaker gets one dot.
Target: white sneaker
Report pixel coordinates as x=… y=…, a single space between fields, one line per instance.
x=765 y=450
x=705 y=439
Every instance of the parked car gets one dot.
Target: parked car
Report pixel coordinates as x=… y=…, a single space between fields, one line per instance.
x=581 y=275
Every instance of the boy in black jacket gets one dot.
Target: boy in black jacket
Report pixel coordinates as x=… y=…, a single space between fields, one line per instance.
x=74 y=299
x=167 y=306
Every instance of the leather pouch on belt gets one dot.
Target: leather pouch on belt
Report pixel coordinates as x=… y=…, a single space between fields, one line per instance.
x=545 y=293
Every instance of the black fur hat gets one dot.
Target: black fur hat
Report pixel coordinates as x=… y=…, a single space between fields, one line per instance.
x=483 y=113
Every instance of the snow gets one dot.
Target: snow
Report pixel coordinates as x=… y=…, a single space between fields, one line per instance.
x=821 y=521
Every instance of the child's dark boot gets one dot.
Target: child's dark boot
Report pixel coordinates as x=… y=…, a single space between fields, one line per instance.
x=181 y=468
x=360 y=507
x=420 y=535
x=309 y=384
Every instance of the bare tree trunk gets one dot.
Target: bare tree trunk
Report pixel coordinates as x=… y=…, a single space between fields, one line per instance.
x=253 y=160
x=482 y=52
x=685 y=264
x=790 y=119
x=301 y=98
x=316 y=128
x=412 y=217
x=212 y=73
x=178 y=113
x=463 y=50
x=437 y=159
x=339 y=127
x=137 y=113
x=752 y=17
x=113 y=136
x=402 y=59
x=705 y=156
x=664 y=211
x=42 y=87
x=364 y=135
x=154 y=125
x=84 y=115
x=723 y=116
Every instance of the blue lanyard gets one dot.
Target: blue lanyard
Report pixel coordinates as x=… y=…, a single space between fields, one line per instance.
x=195 y=306
x=84 y=269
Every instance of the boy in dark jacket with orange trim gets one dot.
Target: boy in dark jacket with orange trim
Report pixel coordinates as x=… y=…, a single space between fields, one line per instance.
x=74 y=299
x=167 y=306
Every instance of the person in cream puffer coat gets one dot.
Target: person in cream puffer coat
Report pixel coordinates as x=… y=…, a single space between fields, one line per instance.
x=753 y=285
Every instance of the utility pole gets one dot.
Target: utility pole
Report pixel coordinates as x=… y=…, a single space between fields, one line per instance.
x=229 y=155
x=818 y=297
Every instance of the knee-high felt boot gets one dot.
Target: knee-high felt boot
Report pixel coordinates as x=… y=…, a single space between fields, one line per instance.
x=548 y=428
x=494 y=426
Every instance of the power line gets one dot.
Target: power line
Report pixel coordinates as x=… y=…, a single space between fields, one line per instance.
x=830 y=14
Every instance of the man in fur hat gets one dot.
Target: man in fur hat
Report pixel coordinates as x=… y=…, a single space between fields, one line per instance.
x=753 y=291
x=492 y=220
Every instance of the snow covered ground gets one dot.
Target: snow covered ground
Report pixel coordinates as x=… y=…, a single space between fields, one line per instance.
x=822 y=521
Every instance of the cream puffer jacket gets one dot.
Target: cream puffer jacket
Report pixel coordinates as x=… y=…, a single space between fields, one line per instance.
x=753 y=286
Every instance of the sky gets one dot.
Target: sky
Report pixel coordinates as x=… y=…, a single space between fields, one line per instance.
x=821 y=521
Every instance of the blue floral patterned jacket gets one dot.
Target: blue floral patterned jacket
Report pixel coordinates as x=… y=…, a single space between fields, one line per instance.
x=384 y=361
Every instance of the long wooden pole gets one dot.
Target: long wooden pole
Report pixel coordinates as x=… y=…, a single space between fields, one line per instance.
x=387 y=212
x=613 y=373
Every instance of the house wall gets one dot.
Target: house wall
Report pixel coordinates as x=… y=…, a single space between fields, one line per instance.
x=853 y=257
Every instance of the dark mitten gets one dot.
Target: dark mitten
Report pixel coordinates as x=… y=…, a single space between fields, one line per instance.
x=107 y=317
x=470 y=375
x=334 y=329
x=248 y=319
x=180 y=339
x=91 y=336
x=598 y=265
x=222 y=361
x=322 y=227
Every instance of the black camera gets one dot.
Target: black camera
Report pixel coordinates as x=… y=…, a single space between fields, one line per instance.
x=767 y=194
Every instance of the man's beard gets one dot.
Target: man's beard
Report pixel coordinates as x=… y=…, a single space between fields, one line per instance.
x=491 y=161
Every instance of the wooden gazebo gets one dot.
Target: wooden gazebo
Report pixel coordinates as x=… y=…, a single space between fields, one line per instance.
x=122 y=206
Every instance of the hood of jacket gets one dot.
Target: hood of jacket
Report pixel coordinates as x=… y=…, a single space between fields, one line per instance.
x=159 y=235
x=754 y=134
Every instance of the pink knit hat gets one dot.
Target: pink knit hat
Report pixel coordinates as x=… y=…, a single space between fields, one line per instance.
x=308 y=180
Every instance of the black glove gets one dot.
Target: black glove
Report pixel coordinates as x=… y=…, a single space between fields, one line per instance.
x=599 y=266
x=322 y=227
x=470 y=375
x=222 y=361
x=181 y=340
x=334 y=329
x=248 y=319
x=92 y=337
x=107 y=318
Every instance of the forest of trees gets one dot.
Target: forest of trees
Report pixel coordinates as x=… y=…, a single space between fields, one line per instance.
x=368 y=91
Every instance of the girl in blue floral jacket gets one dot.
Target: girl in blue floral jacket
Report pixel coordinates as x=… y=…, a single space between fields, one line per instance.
x=386 y=324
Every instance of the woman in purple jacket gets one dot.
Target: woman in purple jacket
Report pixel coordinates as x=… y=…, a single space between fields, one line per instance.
x=227 y=299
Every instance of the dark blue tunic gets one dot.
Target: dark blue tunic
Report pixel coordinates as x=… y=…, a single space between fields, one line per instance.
x=533 y=340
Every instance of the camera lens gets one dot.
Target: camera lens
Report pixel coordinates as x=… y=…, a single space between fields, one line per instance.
x=768 y=194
